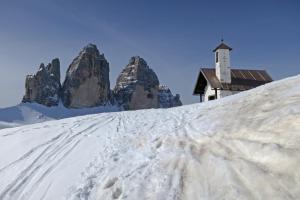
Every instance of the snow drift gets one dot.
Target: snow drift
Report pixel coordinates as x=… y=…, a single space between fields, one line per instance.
x=245 y=146
x=30 y=113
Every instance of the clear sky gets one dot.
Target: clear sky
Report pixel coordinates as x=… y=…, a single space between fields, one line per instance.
x=176 y=38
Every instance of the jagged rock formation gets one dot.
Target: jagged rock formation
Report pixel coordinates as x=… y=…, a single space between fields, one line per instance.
x=137 y=86
x=87 y=84
x=44 y=86
x=166 y=98
x=87 y=80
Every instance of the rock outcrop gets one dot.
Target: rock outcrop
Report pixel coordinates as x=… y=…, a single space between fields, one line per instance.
x=166 y=98
x=137 y=86
x=44 y=87
x=87 y=84
x=87 y=80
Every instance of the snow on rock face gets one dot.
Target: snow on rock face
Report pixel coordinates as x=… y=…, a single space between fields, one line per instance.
x=44 y=86
x=137 y=86
x=87 y=80
x=166 y=98
x=244 y=146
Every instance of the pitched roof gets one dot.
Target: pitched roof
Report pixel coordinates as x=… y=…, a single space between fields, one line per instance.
x=222 y=46
x=241 y=80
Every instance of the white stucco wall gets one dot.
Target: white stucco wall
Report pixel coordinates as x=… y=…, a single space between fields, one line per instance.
x=208 y=92
x=220 y=93
x=223 y=71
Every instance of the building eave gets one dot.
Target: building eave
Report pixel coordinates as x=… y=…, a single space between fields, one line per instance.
x=222 y=46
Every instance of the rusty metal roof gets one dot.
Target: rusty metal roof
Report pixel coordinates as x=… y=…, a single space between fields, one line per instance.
x=241 y=79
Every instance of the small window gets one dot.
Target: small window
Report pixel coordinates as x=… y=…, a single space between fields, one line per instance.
x=211 y=97
x=217 y=57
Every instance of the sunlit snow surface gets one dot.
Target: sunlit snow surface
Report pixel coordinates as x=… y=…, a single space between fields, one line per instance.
x=30 y=113
x=246 y=146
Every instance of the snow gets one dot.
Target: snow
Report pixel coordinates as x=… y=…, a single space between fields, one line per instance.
x=29 y=113
x=246 y=146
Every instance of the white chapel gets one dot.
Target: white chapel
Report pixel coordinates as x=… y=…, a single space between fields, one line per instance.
x=222 y=80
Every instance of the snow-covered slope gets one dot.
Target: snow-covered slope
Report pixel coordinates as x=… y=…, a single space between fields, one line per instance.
x=246 y=146
x=29 y=113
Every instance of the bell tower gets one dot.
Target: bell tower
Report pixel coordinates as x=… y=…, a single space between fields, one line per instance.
x=222 y=62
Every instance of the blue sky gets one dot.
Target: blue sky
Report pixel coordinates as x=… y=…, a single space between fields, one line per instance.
x=176 y=38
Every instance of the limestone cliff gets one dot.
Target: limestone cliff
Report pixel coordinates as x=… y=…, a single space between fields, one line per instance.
x=137 y=86
x=87 y=80
x=44 y=86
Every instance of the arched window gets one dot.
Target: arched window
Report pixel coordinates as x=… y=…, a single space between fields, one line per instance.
x=217 y=57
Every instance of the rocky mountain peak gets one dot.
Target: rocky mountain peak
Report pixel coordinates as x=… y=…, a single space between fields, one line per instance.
x=42 y=67
x=137 y=72
x=54 y=68
x=87 y=84
x=90 y=49
x=137 y=86
x=44 y=86
x=87 y=80
x=166 y=98
x=137 y=60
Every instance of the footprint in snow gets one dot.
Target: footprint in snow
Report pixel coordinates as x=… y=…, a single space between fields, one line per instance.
x=115 y=157
x=110 y=183
x=117 y=193
x=158 y=145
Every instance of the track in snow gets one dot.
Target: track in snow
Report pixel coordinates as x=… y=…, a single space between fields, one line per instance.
x=242 y=147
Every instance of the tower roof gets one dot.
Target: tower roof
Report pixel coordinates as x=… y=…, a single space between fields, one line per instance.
x=222 y=46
